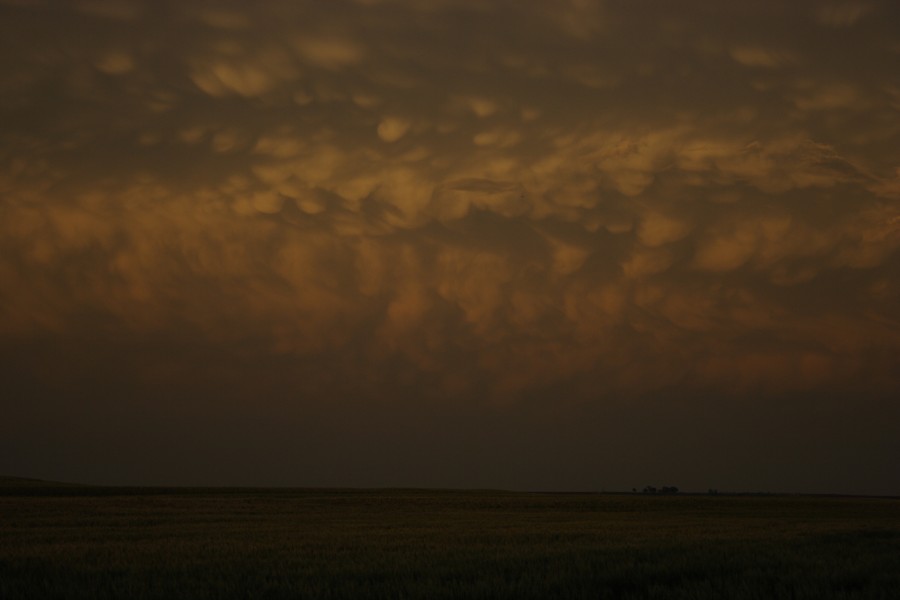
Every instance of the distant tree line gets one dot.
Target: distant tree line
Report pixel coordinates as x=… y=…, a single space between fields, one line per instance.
x=666 y=490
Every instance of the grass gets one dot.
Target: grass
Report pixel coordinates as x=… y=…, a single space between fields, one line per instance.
x=84 y=542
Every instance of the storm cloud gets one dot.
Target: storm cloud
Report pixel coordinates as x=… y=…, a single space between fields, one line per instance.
x=473 y=212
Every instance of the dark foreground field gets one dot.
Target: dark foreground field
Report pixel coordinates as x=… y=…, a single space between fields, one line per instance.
x=82 y=542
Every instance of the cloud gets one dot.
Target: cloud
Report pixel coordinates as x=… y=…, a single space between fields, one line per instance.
x=647 y=262
x=830 y=97
x=579 y=201
x=481 y=107
x=223 y=19
x=391 y=129
x=755 y=56
x=124 y=10
x=842 y=14
x=656 y=229
x=116 y=63
x=329 y=52
x=244 y=76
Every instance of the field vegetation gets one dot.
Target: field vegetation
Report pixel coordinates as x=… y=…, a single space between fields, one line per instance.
x=90 y=542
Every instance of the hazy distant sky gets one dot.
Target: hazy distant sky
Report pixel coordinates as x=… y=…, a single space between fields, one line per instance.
x=546 y=244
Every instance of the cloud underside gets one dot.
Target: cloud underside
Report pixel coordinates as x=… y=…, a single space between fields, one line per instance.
x=577 y=197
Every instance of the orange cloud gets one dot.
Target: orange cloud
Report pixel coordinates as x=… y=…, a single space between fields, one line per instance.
x=560 y=203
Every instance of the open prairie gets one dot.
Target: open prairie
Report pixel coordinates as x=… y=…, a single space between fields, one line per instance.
x=94 y=542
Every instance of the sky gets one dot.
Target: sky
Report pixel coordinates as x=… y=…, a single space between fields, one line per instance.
x=538 y=245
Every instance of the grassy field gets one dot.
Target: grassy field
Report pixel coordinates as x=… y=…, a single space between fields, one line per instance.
x=86 y=542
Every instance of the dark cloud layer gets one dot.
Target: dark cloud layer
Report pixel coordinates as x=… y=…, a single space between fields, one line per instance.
x=567 y=244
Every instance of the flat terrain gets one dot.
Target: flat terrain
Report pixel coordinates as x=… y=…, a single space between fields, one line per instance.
x=87 y=542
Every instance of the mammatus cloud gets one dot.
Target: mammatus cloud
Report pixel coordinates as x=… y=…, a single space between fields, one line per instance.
x=578 y=197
